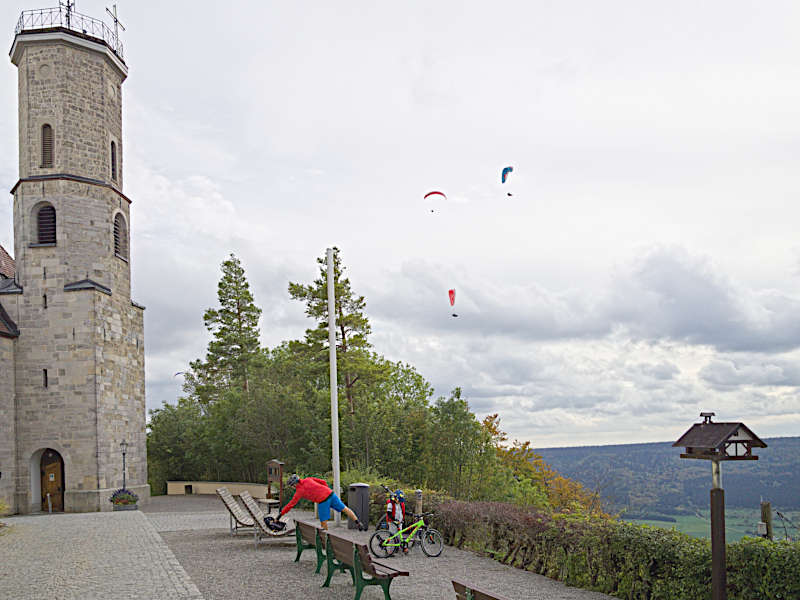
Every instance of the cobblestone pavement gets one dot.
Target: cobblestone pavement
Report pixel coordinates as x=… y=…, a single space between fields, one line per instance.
x=91 y=555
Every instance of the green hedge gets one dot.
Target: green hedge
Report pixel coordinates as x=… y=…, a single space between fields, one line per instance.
x=635 y=562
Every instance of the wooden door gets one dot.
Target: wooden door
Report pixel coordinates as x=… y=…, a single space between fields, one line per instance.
x=52 y=480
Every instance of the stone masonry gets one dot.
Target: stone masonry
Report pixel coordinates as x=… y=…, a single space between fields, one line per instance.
x=72 y=299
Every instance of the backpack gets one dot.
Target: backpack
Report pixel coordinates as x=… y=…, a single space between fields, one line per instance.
x=274 y=525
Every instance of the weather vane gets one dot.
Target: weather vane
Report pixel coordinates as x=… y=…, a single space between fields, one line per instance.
x=117 y=24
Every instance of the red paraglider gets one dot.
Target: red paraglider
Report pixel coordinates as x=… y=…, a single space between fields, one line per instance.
x=434 y=196
x=452 y=294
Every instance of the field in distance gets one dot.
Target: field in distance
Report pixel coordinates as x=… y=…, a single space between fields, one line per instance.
x=738 y=523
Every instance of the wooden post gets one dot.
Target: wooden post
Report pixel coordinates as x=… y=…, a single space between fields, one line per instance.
x=766 y=517
x=718 y=575
x=418 y=501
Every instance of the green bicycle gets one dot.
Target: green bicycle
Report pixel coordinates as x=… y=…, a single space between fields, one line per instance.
x=384 y=543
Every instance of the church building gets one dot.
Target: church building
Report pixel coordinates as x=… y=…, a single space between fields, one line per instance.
x=72 y=394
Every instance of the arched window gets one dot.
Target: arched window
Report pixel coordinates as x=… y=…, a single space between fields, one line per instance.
x=113 y=161
x=47 y=146
x=120 y=237
x=46 y=225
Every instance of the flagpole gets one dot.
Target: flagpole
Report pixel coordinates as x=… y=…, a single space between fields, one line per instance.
x=334 y=391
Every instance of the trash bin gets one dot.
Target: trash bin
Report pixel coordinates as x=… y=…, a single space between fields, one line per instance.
x=358 y=502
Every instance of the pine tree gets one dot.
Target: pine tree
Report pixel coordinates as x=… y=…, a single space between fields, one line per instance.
x=234 y=350
x=352 y=327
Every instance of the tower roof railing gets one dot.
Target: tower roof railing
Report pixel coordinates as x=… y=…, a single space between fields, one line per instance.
x=61 y=17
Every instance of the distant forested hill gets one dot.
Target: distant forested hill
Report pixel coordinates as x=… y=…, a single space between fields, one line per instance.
x=652 y=478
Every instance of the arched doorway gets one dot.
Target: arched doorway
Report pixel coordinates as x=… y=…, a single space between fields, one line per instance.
x=52 y=469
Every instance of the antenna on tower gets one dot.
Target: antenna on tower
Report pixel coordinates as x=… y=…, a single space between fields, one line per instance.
x=69 y=6
x=117 y=24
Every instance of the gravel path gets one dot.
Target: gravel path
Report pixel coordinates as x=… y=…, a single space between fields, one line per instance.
x=181 y=548
x=224 y=567
x=227 y=567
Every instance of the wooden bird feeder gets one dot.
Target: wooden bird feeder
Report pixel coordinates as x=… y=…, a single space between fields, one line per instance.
x=717 y=442
x=275 y=475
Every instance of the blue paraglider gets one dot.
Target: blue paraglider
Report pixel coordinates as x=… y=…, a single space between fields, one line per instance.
x=506 y=171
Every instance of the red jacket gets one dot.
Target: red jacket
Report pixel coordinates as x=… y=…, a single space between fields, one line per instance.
x=310 y=488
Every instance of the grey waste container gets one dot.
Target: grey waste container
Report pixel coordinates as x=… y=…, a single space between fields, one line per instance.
x=358 y=502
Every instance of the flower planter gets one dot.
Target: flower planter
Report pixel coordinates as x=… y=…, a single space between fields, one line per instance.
x=125 y=507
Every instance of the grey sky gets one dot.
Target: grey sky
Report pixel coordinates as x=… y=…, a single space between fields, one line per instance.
x=646 y=267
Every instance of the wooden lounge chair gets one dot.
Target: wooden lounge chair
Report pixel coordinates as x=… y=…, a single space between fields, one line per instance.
x=261 y=530
x=239 y=519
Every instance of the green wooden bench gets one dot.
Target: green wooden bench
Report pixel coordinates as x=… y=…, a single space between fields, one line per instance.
x=309 y=536
x=343 y=554
x=469 y=592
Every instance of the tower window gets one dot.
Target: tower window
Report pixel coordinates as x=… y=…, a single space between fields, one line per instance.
x=120 y=237
x=46 y=224
x=47 y=146
x=44 y=377
x=113 y=161
x=44 y=300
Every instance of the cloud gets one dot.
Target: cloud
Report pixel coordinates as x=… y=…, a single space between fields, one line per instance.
x=726 y=372
x=672 y=294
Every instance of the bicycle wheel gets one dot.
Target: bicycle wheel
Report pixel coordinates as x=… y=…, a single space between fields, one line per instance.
x=377 y=544
x=385 y=525
x=381 y=524
x=432 y=542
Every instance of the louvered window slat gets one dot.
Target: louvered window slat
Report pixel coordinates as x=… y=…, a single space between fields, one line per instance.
x=46 y=225
x=47 y=146
x=113 y=161
x=120 y=237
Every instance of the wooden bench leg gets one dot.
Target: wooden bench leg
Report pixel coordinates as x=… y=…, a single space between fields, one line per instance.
x=299 y=539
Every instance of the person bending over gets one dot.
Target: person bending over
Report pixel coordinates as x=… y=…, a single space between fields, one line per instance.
x=317 y=490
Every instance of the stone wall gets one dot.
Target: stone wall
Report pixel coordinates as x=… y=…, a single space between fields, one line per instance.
x=7 y=420
x=77 y=91
x=84 y=234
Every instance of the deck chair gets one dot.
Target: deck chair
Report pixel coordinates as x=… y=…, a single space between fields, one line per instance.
x=239 y=519
x=261 y=530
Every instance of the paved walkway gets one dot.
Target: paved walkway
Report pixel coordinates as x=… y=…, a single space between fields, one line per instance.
x=92 y=555
x=180 y=548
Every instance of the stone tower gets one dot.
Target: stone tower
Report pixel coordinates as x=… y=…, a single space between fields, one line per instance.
x=78 y=348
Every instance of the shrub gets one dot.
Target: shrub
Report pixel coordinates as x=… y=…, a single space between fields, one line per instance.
x=629 y=561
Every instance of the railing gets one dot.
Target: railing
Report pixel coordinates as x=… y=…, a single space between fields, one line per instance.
x=47 y=18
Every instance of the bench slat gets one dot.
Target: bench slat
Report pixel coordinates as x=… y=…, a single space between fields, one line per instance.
x=461 y=589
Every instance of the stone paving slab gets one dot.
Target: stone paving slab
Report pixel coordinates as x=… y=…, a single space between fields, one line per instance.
x=90 y=555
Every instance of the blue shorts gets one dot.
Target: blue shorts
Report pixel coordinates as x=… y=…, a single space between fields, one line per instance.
x=324 y=507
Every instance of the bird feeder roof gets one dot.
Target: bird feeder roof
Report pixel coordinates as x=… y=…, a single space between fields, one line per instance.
x=716 y=435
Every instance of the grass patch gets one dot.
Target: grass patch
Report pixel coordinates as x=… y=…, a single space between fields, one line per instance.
x=739 y=522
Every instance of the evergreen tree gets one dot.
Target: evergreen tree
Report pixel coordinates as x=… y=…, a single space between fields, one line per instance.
x=352 y=327
x=234 y=351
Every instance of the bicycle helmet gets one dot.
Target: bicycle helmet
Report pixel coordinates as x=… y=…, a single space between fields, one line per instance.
x=293 y=479
x=400 y=495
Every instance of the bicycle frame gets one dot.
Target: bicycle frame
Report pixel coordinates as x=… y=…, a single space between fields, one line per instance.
x=412 y=529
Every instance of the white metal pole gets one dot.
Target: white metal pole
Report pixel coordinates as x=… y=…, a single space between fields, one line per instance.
x=334 y=391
